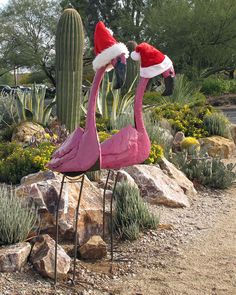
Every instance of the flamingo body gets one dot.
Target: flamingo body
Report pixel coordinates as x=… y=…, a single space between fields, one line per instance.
x=81 y=151
x=126 y=148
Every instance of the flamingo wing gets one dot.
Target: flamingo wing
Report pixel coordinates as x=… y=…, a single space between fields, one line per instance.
x=121 y=149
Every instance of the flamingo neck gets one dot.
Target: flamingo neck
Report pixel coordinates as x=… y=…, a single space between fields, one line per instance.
x=91 y=113
x=138 y=103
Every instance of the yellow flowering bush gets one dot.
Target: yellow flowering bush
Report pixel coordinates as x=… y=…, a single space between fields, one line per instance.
x=17 y=161
x=191 y=144
x=156 y=154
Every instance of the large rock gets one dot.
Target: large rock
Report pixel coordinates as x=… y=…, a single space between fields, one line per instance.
x=217 y=146
x=124 y=176
x=94 y=248
x=178 y=176
x=43 y=258
x=156 y=187
x=14 y=257
x=42 y=191
x=179 y=136
x=24 y=132
x=233 y=132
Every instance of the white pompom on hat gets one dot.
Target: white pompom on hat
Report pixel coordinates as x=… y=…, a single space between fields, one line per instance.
x=153 y=61
x=106 y=47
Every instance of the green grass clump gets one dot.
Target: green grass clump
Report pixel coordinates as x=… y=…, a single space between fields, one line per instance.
x=16 y=220
x=217 y=124
x=131 y=213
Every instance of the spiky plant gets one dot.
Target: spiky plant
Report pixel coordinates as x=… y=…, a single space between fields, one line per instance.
x=131 y=213
x=69 y=67
x=16 y=220
x=217 y=124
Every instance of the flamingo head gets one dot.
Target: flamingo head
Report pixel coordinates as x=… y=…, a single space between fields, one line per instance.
x=119 y=64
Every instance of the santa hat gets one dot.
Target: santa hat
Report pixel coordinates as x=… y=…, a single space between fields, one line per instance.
x=153 y=61
x=106 y=47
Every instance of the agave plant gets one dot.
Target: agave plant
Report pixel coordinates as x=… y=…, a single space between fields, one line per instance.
x=30 y=105
x=111 y=104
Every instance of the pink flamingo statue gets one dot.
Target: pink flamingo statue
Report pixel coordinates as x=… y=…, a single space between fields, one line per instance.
x=81 y=152
x=131 y=145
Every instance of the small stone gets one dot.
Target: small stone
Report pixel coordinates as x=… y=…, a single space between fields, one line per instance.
x=43 y=258
x=14 y=257
x=94 y=248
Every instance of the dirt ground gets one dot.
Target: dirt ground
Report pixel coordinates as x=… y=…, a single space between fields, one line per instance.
x=193 y=252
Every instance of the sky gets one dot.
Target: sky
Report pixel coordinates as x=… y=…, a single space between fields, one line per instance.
x=3 y=2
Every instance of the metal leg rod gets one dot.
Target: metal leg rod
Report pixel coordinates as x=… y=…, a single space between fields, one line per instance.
x=76 y=227
x=104 y=205
x=57 y=219
x=111 y=215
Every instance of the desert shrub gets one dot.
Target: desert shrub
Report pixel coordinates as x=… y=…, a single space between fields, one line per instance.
x=185 y=92
x=152 y=98
x=17 y=161
x=217 y=124
x=190 y=144
x=156 y=154
x=16 y=220
x=211 y=172
x=131 y=213
x=158 y=134
x=186 y=118
x=216 y=86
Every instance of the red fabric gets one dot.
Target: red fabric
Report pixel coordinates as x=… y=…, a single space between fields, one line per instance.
x=150 y=56
x=102 y=38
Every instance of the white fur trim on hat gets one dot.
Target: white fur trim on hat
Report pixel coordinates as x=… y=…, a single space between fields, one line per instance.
x=106 y=56
x=155 y=70
x=135 y=55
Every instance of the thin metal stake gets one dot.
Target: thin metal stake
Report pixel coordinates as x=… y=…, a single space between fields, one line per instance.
x=57 y=219
x=111 y=216
x=104 y=205
x=76 y=225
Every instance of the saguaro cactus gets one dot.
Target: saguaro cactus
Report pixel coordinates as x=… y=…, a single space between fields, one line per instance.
x=132 y=69
x=69 y=67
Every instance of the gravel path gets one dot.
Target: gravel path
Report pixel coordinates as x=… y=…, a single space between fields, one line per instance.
x=193 y=252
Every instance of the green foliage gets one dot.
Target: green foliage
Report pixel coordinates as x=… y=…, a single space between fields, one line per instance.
x=187 y=118
x=111 y=104
x=158 y=134
x=30 y=105
x=156 y=154
x=8 y=110
x=17 y=161
x=16 y=220
x=69 y=67
x=217 y=86
x=217 y=124
x=211 y=172
x=186 y=92
x=153 y=98
x=131 y=213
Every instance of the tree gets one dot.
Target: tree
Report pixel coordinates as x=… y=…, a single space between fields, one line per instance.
x=200 y=35
x=27 y=34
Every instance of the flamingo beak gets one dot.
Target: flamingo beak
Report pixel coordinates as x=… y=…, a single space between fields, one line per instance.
x=120 y=73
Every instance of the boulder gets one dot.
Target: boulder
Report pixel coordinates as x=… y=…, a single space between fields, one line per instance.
x=42 y=257
x=233 y=132
x=94 y=248
x=41 y=190
x=124 y=176
x=156 y=187
x=24 y=132
x=176 y=145
x=178 y=176
x=14 y=257
x=217 y=146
